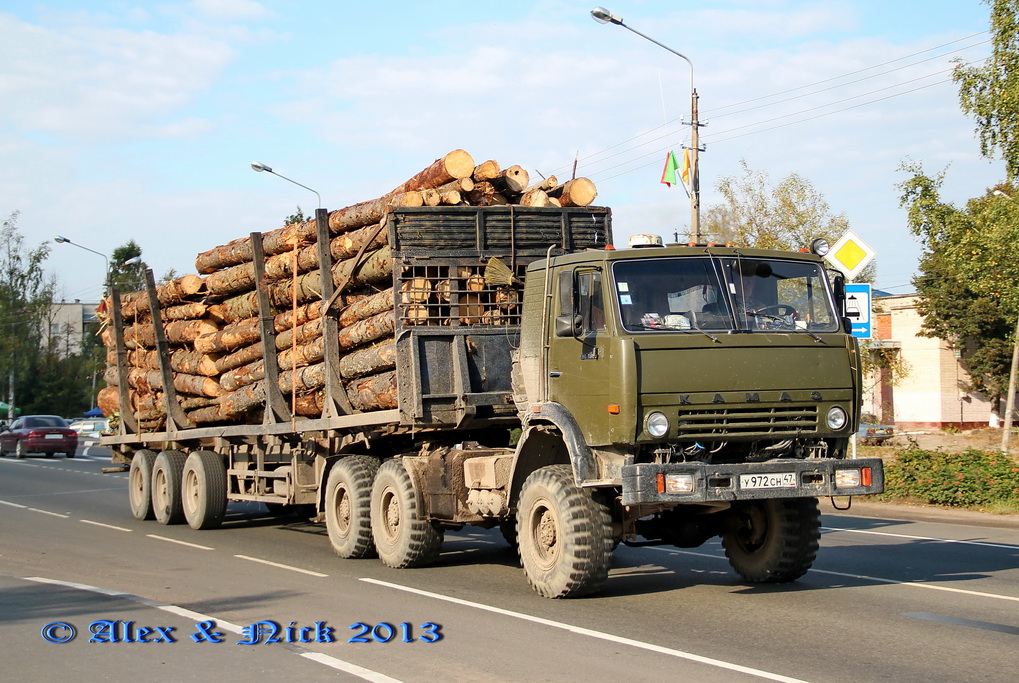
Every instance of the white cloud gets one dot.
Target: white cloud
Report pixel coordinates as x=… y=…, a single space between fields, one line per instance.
x=231 y=9
x=95 y=83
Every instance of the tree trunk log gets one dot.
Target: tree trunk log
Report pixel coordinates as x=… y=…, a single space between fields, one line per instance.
x=368 y=361
x=456 y=164
x=485 y=171
x=231 y=337
x=240 y=357
x=376 y=392
x=576 y=192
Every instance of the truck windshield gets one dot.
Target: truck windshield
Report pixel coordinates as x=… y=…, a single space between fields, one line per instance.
x=723 y=293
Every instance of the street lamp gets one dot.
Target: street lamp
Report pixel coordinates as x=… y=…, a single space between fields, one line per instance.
x=268 y=169
x=604 y=16
x=63 y=240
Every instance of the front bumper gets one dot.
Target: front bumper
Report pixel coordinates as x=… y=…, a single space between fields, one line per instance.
x=643 y=483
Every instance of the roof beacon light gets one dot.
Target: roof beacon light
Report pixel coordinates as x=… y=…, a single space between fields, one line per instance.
x=645 y=240
x=820 y=246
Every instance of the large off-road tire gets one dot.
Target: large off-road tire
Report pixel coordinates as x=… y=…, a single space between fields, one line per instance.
x=139 y=484
x=774 y=541
x=203 y=492
x=564 y=536
x=167 y=477
x=403 y=538
x=348 y=498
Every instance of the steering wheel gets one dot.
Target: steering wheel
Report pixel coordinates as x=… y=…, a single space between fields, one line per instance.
x=779 y=310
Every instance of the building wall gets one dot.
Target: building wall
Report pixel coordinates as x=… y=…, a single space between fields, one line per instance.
x=67 y=324
x=930 y=395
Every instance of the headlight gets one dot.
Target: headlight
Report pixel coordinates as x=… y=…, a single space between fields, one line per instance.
x=657 y=425
x=837 y=418
x=819 y=246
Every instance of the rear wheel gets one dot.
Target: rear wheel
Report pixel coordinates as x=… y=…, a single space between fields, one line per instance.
x=348 y=506
x=775 y=541
x=564 y=536
x=203 y=492
x=139 y=484
x=167 y=475
x=403 y=538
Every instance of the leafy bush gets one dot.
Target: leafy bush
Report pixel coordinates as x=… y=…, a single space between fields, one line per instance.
x=972 y=478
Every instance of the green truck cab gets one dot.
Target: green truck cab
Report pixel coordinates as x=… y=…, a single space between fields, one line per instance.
x=697 y=391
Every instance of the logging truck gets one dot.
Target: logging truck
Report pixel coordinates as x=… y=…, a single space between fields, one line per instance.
x=505 y=367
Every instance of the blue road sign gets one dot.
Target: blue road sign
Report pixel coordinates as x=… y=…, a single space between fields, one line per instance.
x=858 y=311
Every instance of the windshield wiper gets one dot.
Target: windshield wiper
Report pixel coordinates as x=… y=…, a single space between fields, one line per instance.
x=792 y=326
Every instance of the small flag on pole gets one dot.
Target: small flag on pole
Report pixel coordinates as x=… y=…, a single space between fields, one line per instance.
x=685 y=173
x=669 y=172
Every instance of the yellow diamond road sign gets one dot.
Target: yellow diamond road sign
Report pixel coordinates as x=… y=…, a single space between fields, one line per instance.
x=850 y=255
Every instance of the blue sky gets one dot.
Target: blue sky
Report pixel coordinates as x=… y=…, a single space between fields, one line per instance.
x=136 y=120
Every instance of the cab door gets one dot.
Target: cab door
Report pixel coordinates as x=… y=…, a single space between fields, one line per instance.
x=578 y=361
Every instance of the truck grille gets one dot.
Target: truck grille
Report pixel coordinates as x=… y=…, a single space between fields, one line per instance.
x=762 y=421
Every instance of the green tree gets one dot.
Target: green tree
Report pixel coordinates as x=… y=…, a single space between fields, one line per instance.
x=989 y=91
x=966 y=282
x=130 y=277
x=787 y=216
x=26 y=295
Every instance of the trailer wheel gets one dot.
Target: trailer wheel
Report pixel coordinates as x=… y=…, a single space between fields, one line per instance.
x=348 y=506
x=167 y=474
x=139 y=484
x=564 y=536
x=402 y=537
x=203 y=492
x=775 y=541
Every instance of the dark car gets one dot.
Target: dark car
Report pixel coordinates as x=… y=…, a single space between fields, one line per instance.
x=48 y=434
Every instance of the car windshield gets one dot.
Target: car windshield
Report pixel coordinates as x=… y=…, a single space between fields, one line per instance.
x=723 y=293
x=45 y=421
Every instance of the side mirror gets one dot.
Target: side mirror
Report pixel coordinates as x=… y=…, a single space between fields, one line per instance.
x=4 y=427
x=568 y=323
x=838 y=285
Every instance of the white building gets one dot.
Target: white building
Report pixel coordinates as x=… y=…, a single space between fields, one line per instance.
x=67 y=324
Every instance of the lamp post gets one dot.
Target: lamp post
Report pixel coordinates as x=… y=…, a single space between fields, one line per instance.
x=604 y=16
x=63 y=240
x=268 y=169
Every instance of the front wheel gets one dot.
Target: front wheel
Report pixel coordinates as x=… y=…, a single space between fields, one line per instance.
x=167 y=474
x=203 y=492
x=403 y=537
x=774 y=541
x=564 y=536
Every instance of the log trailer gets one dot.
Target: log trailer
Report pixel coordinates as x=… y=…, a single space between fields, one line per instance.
x=573 y=395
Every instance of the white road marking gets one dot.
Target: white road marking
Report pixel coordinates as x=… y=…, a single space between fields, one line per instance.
x=863 y=577
x=922 y=538
x=108 y=526
x=174 y=540
x=47 y=512
x=327 y=660
x=282 y=566
x=13 y=505
x=729 y=666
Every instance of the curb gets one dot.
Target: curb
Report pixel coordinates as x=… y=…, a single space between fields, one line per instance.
x=919 y=513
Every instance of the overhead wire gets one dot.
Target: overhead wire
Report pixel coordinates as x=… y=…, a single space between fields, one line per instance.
x=629 y=148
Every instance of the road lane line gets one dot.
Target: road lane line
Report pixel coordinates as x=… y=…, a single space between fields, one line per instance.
x=729 y=666
x=923 y=538
x=13 y=505
x=318 y=657
x=862 y=577
x=108 y=526
x=282 y=566
x=47 y=512
x=174 y=540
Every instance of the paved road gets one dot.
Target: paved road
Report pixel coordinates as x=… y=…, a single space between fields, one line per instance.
x=887 y=600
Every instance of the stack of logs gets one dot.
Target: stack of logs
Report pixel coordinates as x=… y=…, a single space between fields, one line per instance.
x=211 y=320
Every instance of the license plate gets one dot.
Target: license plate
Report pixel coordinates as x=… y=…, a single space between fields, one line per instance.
x=770 y=480
x=54 y=436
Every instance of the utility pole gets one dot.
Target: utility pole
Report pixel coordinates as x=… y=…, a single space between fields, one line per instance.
x=695 y=173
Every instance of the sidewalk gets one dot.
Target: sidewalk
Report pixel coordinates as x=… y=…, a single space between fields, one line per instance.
x=918 y=513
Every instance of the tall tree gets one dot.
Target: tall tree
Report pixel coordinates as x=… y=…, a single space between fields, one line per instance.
x=989 y=91
x=787 y=216
x=26 y=295
x=965 y=282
